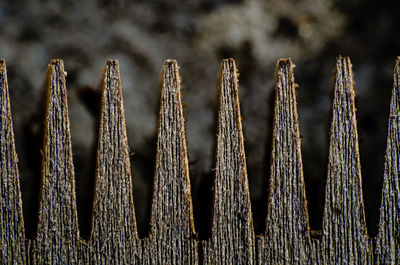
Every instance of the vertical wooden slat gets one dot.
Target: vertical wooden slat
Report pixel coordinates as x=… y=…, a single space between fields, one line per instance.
x=344 y=239
x=388 y=239
x=114 y=238
x=232 y=235
x=172 y=238
x=57 y=233
x=287 y=235
x=12 y=236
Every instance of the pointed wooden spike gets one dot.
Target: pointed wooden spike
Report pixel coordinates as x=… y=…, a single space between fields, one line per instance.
x=287 y=235
x=12 y=237
x=232 y=235
x=388 y=240
x=114 y=238
x=172 y=238
x=57 y=232
x=344 y=239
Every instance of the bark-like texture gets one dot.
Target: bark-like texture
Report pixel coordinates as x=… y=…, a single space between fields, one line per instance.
x=172 y=238
x=232 y=235
x=287 y=235
x=57 y=240
x=344 y=239
x=12 y=240
x=388 y=240
x=114 y=238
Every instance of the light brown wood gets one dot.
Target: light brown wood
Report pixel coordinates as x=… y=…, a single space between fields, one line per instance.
x=287 y=236
x=387 y=249
x=57 y=240
x=114 y=238
x=172 y=238
x=232 y=235
x=344 y=235
x=12 y=238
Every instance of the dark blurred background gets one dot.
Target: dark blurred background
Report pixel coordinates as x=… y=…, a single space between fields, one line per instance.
x=142 y=34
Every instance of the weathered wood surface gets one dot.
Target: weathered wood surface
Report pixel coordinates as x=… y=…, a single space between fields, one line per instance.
x=287 y=236
x=114 y=238
x=57 y=239
x=232 y=235
x=344 y=234
x=172 y=238
x=12 y=239
x=388 y=240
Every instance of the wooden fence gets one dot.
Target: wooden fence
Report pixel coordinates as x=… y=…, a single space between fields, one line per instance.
x=172 y=238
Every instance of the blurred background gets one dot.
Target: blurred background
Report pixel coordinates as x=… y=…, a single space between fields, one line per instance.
x=199 y=33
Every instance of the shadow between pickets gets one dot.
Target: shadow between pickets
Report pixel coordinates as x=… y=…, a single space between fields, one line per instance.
x=172 y=238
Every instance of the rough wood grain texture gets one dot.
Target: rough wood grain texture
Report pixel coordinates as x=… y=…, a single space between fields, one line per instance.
x=12 y=239
x=344 y=239
x=287 y=235
x=114 y=238
x=388 y=240
x=57 y=240
x=232 y=235
x=172 y=238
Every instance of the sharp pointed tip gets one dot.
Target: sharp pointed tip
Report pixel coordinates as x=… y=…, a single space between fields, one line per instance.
x=56 y=62
x=56 y=65
x=111 y=78
x=112 y=68
x=228 y=62
x=344 y=75
x=285 y=63
x=112 y=62
x=171 y=63
x=228 y=68
x=344 y=66
x=170 y=66
x=343 y=60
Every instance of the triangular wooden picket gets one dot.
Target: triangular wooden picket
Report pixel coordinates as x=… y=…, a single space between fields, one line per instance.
x=114 y=238
x=344 y=232
x=287 y=236
x=172 y=238
x=388 y=240
x=12 y=238
x=232 y=235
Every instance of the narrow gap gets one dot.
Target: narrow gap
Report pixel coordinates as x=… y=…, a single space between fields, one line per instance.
x=143 y=165
x=28 y=137
x=314 y=120
x=85 y=160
